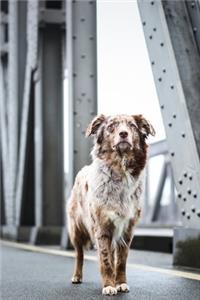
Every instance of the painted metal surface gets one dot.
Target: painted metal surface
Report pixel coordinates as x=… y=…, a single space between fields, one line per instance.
x=173 y=102
x=81 y=58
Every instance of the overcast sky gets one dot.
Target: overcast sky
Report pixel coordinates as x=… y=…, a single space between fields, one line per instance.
x=125 y=80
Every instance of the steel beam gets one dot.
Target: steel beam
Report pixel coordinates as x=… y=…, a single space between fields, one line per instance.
x=175 y=63
x=82 y=66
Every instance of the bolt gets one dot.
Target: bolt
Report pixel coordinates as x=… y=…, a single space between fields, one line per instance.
x=193 y=209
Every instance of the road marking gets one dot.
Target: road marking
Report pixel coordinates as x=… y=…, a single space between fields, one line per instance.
x=67 y=253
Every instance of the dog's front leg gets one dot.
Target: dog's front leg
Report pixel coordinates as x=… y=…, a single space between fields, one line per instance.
x=105 y=251
x=121 y=258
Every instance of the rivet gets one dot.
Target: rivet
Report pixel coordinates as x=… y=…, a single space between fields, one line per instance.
x=198 y=213
x=161 y=44
x=91 y=2
x=179 y=195
x=91 y=38
x=164 y=70
x=183 y=135
x=74 y=37
x=75 y=113
x=75 y=151
x=74 y=75
x=194 y=29
x=190 y=177
x=183 y=212
x=144 y=23
x=150 y=37
x=185 y=174
x=162 y=106
x=180 y=182
x=82 y=19
x=160 y=79
x=154 y=29
x=170 y=124
x=83 y=56
x=184 y=199
x=91 y=75
x=171 y=87
x=195 y=195
x=193 y=209
x=189 y=191
x=172 y=153
x=174 y=116
x=153 y=63
x=193 y=4
x=83 y=94
x=152 y=2
x=188 y=216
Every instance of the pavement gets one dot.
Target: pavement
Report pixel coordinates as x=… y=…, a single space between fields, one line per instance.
x=40 y=273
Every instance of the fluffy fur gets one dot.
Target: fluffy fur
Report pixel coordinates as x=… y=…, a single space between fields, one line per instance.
x=104 y=205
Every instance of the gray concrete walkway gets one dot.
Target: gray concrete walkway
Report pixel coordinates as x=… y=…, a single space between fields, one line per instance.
x=40 y=276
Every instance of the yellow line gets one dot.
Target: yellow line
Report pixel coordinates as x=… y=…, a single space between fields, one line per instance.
x=66 y=253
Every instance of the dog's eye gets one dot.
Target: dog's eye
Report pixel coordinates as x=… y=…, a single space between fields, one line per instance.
x=111 y=127
x=132 y=125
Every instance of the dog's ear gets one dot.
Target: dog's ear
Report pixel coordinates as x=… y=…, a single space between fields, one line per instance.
x=94 y=125
x=144 y=126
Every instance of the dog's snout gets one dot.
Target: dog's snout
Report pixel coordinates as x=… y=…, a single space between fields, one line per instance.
x=123 y=134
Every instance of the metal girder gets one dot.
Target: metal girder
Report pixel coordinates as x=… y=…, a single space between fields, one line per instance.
x=175 y=64
x=31 y=63
x=82 y=66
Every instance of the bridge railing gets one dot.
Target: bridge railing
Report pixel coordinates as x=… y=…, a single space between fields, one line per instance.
x=159 y=203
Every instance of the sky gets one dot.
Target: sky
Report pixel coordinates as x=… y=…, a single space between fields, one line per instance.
x=125 y=79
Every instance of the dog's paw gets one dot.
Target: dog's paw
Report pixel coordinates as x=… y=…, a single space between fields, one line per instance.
x=122 y=287
x=76 y=279
x=109 y=291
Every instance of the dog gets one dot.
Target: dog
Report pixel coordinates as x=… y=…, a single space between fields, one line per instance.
x=104 y=205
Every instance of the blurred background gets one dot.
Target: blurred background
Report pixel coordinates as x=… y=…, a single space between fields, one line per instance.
x=63 y=62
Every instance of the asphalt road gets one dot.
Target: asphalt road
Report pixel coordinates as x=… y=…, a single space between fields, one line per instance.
x=28 y=275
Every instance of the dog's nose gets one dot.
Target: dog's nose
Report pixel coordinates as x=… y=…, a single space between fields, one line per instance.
x=123 y=134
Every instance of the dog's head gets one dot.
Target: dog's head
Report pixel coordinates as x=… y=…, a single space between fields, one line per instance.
x=121 y=133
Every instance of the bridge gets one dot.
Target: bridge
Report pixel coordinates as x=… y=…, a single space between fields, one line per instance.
x=48 y=50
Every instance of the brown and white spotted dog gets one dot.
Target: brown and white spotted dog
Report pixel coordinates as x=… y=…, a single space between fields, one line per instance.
x=104 y=206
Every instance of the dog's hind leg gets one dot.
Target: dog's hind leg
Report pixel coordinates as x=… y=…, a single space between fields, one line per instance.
x=77 y=276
